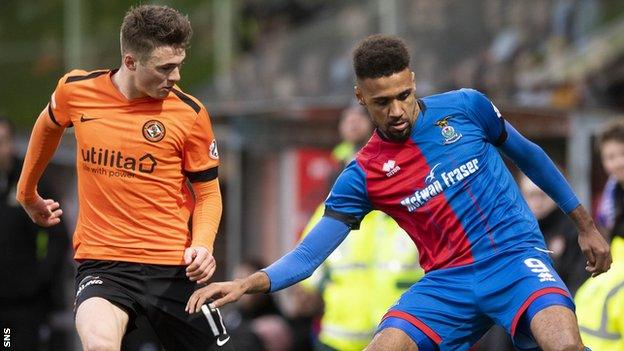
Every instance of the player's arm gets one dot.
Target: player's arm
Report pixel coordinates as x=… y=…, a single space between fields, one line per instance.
x=43 y=142
x=291 y=268
x=346 y=205
x=536 y=164
x=206 y=218
x=201 y=161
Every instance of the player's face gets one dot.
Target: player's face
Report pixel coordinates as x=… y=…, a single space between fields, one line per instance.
x=612 y=154
x=156 y=75
x=391 y=102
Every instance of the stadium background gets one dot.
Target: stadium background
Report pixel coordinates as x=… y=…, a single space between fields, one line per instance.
x=274 y=75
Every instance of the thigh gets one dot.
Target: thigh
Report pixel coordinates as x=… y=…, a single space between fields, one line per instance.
x=166 y=294
x=513 y=284
x=441 y=306
x=392 y=339
x=99 y=320
x=554 y=327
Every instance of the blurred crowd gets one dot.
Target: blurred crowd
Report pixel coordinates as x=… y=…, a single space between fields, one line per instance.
x=548 y=54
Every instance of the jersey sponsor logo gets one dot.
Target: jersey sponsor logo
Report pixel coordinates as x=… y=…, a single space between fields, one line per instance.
x=538 y=267
x=431 y=177
x=448 y=132
x=390 y=167
x=214 y=152
x=154 y=131
x=434 y=187
x=115 y=164
x=83 y=118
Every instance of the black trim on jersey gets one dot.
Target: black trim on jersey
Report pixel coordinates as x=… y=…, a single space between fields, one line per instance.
x=203 y=176
x=85 y=77
x=351 y=221
x=503 y=135
x=422 y=105
x=51 y=114
x=187 y=100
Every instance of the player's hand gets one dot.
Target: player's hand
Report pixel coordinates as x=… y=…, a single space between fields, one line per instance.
x=44 y=212
x=201 y=264
x=596 y=250
x=222 y=293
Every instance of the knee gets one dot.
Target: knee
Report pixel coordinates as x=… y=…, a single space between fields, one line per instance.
x=568 y=346
x=94 y=342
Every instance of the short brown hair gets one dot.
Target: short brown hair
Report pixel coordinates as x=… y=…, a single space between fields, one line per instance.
x=380 y=56
x=147 y=27
x=611 y=131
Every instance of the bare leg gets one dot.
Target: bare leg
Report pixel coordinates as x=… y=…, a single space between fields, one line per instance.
x=101 y=325
x=392 y=339
x=555 y=328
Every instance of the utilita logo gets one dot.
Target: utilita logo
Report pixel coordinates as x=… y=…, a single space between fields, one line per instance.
x=115 y=159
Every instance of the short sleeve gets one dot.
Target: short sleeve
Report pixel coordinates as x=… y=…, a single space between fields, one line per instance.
x=201 y=157
x=486 y=115
x=348 y=200
x=58 y=108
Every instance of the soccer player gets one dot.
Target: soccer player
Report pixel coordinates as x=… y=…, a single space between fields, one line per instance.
x=139 y=139
x=433 y=164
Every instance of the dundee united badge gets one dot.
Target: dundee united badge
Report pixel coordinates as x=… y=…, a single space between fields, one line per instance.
x=153 y=131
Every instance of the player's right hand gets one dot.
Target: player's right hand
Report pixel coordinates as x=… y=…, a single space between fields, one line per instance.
x=222 y=293
x=44 y=212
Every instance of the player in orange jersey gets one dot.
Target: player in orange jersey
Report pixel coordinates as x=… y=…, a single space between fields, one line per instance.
x=139 y=139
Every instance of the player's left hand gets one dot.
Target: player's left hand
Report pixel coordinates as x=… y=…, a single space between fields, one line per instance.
x=596 y=250
x=201 y=264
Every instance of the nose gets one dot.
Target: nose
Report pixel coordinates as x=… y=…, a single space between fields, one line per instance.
x=395 y=109
x=174 y=76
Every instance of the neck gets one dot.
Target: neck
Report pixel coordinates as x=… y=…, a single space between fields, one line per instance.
x=123 y=80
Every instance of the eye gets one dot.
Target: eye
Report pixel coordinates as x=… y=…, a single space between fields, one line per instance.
x=404 y=95
x=382 y=102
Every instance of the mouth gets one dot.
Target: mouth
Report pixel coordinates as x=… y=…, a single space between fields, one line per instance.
x=399 y=127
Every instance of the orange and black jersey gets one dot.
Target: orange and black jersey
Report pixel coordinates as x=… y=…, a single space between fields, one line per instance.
x=132 y=159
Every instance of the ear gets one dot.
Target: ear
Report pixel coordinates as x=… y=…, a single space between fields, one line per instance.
x=130 y=62
x=358 y=95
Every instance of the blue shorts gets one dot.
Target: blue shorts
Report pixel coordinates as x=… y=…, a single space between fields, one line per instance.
x=454 y=307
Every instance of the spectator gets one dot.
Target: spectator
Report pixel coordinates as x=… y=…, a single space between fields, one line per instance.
x=560 y=235
x=33 y=260
x=600 y=300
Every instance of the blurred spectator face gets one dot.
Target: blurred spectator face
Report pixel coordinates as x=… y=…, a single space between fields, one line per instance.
x=355 y=126
x=539 y=203
x=6 y=146
x=274 y=333
x=612 y=155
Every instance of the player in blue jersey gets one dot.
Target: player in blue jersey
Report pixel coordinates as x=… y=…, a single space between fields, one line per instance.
x=433 y=164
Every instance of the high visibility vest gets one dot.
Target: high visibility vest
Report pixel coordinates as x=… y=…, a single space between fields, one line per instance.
x=600 y=305
x=362 y=278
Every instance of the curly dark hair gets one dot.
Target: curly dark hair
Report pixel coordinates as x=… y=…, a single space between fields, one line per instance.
x=147 y=27
x=380 y=56
x=611 y=131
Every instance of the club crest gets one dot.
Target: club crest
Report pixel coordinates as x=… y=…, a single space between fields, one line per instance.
x=448 y=132
x=154 y=130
